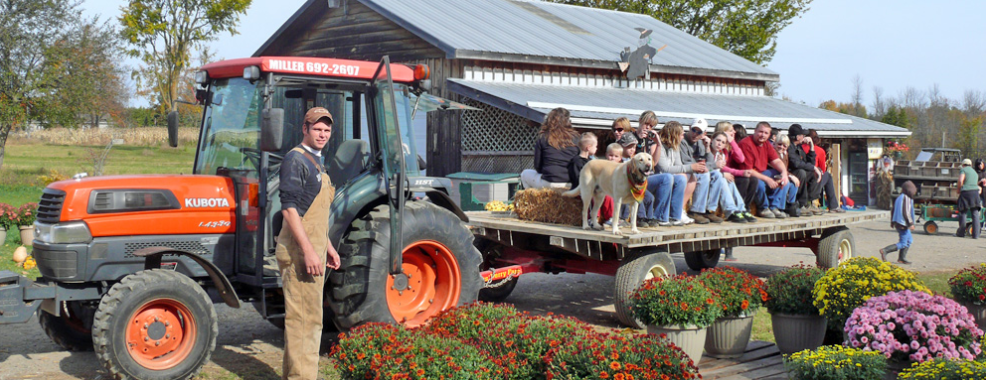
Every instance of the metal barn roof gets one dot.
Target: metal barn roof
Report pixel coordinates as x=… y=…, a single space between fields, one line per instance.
x=555 y=34
x=598 y=107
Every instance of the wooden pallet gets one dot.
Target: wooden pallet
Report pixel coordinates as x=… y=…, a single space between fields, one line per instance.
x=761 y=361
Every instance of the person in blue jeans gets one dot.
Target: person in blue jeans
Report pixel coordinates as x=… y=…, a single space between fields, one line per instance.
x=670 y=162
x=902 y=220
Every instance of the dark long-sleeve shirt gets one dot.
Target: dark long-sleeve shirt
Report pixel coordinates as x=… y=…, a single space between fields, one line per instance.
x=799 y=159
x=575 y=168
x=301 y=181
x=553 y=163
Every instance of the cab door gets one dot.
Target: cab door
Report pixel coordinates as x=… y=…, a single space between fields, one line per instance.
x=388 y=146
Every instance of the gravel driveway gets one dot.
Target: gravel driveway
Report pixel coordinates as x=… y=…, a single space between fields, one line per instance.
x=250 y=348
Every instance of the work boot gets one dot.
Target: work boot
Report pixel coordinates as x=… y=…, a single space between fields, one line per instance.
x=699 y=219
x=793 y=211
x=885 y=250
x=902 y=256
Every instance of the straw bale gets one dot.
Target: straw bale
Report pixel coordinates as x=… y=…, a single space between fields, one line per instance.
x=548 y=206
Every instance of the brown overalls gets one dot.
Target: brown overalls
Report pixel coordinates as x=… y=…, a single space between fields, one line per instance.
x=303 y=292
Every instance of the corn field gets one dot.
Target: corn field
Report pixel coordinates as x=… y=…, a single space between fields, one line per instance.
x=144 y=136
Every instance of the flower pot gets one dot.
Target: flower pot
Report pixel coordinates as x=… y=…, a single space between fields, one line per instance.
x=3 y=235
x=688 y=338
x=795 y=332
x=728 y=336
x=27 y=234
x=978 y=313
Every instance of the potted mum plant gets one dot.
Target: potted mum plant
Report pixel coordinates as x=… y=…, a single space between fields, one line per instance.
x=796 y=322
x=6 y=220
x=969 y=289
x=679 y=307
x=835 y=363
x=26 y=215
x=909 y=326
x=739 y=294
x=848 y=286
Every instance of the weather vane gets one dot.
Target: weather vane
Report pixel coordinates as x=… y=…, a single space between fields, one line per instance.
x=636 y=64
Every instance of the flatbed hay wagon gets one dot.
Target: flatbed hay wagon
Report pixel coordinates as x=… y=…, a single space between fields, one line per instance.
x=516 y=247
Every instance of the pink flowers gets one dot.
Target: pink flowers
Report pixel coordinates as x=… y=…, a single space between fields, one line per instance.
x=914 y=326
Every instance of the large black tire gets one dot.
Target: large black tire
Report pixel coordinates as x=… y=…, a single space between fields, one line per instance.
x=931 y=228
x=836 y=246
x=359 y=291
x=632 y=272
x=72 y=332
x=501 y=289
x=156 y=293
x=703 y=259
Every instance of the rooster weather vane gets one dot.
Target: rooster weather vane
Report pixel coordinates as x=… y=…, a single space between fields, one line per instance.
x=636 y=64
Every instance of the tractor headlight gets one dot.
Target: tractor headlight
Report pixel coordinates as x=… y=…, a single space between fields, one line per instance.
x=62 y=233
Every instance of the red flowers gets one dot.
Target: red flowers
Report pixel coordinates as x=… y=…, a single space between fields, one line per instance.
x=736 y=290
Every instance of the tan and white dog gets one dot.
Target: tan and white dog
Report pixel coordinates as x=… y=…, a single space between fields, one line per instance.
x=599 y=178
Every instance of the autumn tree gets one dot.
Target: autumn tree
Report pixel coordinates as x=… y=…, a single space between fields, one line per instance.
x=163 y=33
x=28 y=28
x=747 y=28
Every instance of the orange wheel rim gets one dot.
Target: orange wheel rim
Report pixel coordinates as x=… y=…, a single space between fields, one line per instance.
x=161 y=334
x=433 y=283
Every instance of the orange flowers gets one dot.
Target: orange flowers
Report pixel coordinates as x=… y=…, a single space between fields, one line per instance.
x=615 y=366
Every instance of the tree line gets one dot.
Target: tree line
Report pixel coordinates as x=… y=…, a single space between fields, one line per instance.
x=935 y=120
x=59 y=68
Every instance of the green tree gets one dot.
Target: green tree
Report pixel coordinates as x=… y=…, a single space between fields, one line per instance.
x=162 y=33
x=747 y=28
x=28 y=29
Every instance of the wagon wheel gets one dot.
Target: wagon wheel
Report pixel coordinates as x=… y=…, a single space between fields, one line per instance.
x=930 y=227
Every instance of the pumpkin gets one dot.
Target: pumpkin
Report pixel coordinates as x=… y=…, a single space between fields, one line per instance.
x=20 y=254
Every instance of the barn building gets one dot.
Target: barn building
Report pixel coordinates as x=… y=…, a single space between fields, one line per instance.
x=516 y=60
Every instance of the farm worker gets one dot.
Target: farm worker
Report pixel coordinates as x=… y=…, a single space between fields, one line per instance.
x=759 y=153
x=556 y=145
x=968 y=198
x=303 y=247
x=902 y=220
x=802 y=166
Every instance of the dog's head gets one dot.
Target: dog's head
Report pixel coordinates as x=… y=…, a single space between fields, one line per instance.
x=640 y=164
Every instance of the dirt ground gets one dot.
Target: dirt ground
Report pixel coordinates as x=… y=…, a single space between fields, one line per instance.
x=250 y=348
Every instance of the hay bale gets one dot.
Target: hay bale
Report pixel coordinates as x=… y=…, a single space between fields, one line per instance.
x=548 y=206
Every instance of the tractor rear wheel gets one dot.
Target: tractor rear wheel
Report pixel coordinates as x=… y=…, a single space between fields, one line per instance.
x=633 y=271
x=155 y=324
x=72 y=331
x=440 y=268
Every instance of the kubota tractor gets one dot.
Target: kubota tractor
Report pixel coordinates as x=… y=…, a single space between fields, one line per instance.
x=131 y=265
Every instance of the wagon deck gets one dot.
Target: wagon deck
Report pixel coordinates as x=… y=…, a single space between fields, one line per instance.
x=690 y=238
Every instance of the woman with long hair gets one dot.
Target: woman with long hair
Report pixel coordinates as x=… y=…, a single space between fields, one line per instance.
x=556 y=145
x=670 y=162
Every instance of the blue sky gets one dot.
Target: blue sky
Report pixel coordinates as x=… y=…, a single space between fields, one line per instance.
x=890 y=44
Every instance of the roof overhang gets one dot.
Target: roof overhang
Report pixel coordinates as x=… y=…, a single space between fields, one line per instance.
x=592 y=107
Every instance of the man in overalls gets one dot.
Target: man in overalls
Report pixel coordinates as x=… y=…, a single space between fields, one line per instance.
x=303 y=247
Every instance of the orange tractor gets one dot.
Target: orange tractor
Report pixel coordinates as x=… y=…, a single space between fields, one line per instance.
x=132 y=265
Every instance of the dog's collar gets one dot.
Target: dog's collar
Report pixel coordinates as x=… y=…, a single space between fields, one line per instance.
x=637 y=189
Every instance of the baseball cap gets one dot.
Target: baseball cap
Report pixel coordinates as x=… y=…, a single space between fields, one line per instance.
x=699 y=125
x=318 y=113
x=795 y=130
x=966 y=162
x=627 y=139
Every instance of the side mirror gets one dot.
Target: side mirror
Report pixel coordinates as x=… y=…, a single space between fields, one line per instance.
x=271 y=129
x=173 y=129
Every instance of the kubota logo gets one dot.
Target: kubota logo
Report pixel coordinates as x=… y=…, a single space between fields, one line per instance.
x=206 y=202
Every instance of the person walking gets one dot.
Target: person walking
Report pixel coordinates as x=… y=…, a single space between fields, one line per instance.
x=902 y=220
x=968 y=199
x=303 y=248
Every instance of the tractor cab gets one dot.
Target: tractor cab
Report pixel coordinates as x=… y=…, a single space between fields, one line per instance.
x=253 y=115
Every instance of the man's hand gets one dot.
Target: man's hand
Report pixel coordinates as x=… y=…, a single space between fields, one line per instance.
x=784 y=180
x=818 y=173
x=807 y=140
x=332 y=257
x=313 y=264
x=770 y=183
x=699 y=167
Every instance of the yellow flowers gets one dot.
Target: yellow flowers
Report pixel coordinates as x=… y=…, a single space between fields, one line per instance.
x=835 y=362
x=844 y=288
x=942 y=369
x=499 y=206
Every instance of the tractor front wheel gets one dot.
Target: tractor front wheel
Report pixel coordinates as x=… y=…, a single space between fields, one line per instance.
x=155 y=324
x=440 y=268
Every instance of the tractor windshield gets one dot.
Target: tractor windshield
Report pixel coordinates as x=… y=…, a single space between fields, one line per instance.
x=230 y=126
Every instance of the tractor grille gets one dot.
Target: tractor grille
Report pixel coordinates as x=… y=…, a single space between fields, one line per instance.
x=50 y=207
x=187 y=246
